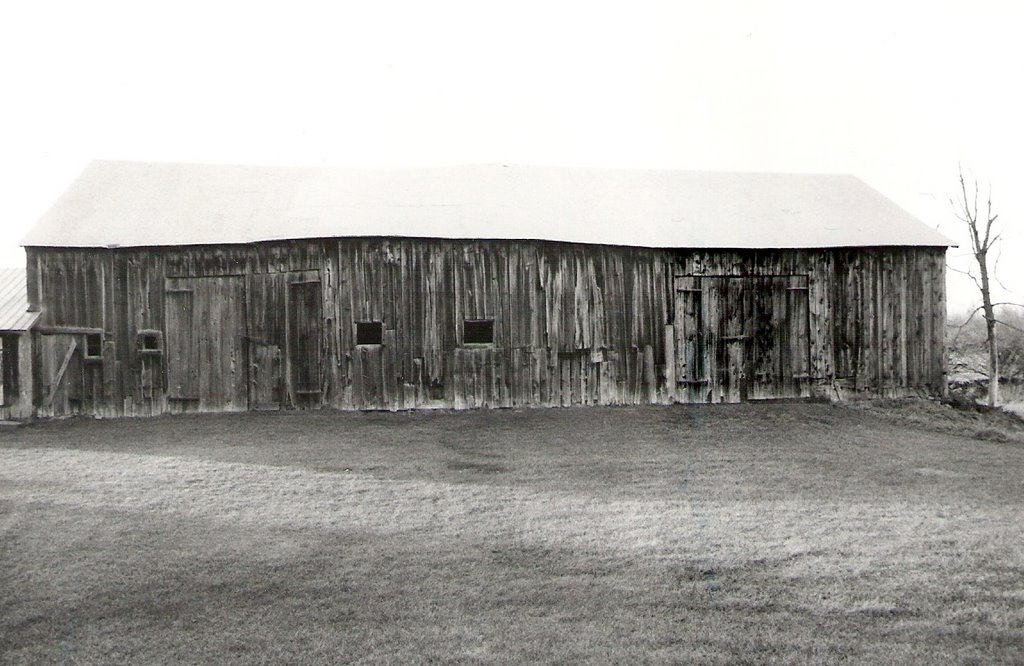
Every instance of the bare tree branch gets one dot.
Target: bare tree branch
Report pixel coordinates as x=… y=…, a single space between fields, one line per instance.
x=991 y=219
x=995 y=265
x=982 y=307
x=1016 y=328
x=961 y=327
x=968 y=273
x=982 y=241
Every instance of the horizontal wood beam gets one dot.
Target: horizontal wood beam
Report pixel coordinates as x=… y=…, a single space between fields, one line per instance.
x=67 y=330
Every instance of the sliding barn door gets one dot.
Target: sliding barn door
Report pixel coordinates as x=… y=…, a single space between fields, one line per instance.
x=205 y=345
x=693 y=384
x=741 y=338
x=779 y=353
x=305 y=331
x=266 y=314
x=285 y=340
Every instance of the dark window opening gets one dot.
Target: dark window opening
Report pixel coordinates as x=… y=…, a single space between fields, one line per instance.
x=9 y=361
x=369 y=332
x=149 y=342
x=478 y=331
x=93 y=345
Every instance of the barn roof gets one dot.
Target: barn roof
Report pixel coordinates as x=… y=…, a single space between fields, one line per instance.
x=14 y=314
x=150 y=204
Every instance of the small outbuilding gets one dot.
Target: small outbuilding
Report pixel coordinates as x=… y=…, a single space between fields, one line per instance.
x=16 y=321
x=181 y=287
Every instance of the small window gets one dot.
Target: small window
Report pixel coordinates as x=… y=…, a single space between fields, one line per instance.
x=93 y=346
x=369 y=332
x=478 y=332
x=149 y=342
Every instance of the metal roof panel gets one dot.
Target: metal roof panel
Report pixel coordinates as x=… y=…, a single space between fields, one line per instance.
x=14 y=314
x=152 y=204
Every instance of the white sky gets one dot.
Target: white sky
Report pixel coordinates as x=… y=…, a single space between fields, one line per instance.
x=894 y=93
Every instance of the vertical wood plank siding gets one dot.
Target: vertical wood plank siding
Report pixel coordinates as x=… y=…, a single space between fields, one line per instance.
x=573 y=324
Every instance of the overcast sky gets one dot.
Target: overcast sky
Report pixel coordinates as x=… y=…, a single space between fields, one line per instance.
x=895 y=94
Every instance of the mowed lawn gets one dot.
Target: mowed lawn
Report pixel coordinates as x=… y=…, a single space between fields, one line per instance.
x=739 y=533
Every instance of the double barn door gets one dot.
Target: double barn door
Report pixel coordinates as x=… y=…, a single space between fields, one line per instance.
x=235 y=342
x=741 y=338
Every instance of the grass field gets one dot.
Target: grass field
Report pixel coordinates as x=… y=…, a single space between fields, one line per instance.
x=713 y=534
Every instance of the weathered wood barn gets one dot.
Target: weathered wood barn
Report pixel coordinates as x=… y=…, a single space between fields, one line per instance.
x=171 y=288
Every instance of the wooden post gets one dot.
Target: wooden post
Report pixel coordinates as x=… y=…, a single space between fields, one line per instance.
x=649 y=376
x=670 y=364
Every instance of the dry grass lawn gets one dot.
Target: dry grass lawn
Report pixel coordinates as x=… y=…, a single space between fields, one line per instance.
x=745 y=533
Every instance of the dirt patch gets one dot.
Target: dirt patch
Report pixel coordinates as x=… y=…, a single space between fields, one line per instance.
x=483 y=468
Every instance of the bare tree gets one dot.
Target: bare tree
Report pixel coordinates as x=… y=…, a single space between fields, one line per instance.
x=982 y=241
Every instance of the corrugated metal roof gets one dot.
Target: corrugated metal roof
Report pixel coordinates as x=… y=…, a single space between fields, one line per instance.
x=145 y=204
x=14 y=314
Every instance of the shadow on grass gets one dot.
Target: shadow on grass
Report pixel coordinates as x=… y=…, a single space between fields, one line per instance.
x=183 y=588
x=787 y=532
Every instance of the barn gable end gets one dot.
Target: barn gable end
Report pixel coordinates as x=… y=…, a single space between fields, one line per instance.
x=391 y=322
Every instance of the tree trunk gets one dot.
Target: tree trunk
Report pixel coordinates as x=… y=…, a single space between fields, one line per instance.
x=982 y=241
x=993 y=364
x=990 y=327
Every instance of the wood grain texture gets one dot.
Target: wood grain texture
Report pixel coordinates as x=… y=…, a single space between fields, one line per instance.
x=272 y=325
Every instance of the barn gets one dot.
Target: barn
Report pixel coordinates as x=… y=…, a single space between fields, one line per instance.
x=184 y=287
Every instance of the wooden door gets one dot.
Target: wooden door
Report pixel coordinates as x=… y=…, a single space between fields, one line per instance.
x=181 y=347
x=692 y=381
x=742 y=338
x=264 y=375
x=205 y=347
x=778 y=321
x=266 y=309
x=795 y=347
x=285 y=317
x=726 y=318
x=60 y=362
x=305 y=332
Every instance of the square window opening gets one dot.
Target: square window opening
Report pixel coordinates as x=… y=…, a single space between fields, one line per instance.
x=149 y=342
x=93 y=346
x=369 y=332
x=478 y=331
